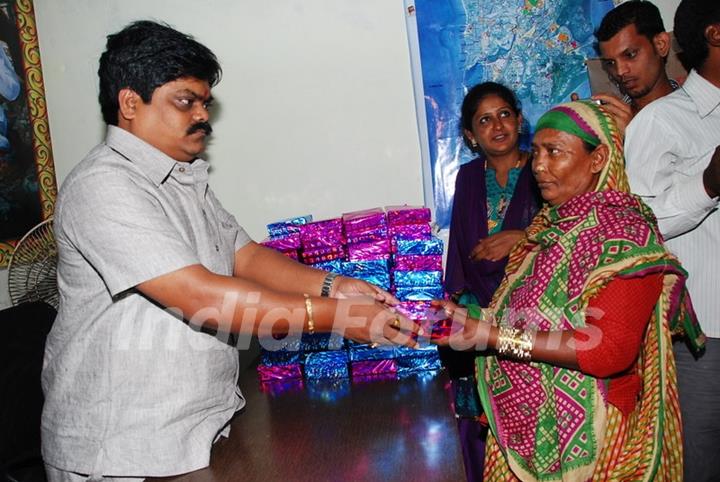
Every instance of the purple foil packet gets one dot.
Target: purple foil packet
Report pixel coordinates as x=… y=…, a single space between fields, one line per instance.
x=410 y=231
x=430 y=262
x=419 y=293
x=372 y=367
x=362 y=220
x=407 y=215
x=369 y=251
x=321 y=229
x=414 y=310
x=431 y=246
x=284 y=243
x=327 y=364
x=417 y=278
x=313 y=252
x=324 y=258
x=279 y=372
x=377 y=234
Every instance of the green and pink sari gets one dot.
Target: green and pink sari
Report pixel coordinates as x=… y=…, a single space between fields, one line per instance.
x=554 y=424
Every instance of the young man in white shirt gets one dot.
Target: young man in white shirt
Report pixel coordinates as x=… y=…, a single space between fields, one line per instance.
x=672 y=150
x=634 y=46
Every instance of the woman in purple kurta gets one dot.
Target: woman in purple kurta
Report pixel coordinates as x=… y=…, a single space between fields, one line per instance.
x=496 y=197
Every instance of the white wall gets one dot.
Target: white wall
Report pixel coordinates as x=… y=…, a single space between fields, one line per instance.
x=315 y=112
x=667 y=10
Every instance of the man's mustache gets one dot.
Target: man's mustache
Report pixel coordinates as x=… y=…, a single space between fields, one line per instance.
x=205 y=126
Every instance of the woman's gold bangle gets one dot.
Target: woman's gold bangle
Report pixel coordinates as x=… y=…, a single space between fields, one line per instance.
x=514 y=343
x=309 y=310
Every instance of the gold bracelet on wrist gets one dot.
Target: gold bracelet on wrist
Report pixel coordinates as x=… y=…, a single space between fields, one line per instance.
x=514 y=343
x=309 y=310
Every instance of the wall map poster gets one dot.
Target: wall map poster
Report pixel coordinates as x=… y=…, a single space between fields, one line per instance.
x=535 y=47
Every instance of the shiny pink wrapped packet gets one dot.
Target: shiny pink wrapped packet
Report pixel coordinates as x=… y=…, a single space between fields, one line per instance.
x=407 y=215
x=284 y=243
x=322 y=258
x=372 y=368
x=279 y=372
x=369 y=251
x=322 y=233
x=377 y=234
x=363 y=220
x=418 y=262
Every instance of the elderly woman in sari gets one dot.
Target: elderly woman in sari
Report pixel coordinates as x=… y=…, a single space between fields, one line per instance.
x=581 y=382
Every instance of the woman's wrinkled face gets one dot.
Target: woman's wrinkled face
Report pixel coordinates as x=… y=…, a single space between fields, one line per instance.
x=563 y=167
x=495 y=126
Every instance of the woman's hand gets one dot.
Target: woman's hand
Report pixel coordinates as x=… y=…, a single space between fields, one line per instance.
x=345 y=287
x=366 y=320
x=497 y=246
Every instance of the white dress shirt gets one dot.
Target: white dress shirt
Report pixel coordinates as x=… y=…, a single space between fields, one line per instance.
x=667 y=146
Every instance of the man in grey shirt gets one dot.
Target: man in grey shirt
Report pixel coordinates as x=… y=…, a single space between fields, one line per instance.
x=150 y=263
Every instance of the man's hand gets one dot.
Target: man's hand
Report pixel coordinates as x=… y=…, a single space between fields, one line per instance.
x=345 y=287
x=496 y=246
x=365 y=320
x=711 y=175
x=621 y=112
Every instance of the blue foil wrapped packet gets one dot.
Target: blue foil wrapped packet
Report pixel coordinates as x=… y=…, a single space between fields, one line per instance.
x=419 y=246
x=357 y=269
x=327 y=365
x=279 y=357
x=360 y=352
x=422 y=350
x=289 y=225
x=321 y=342
x=336 y=266
x=418 y=278
x=419 y=293
x=375 y=272
x=413 y=364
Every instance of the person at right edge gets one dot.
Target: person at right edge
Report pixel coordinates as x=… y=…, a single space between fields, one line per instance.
x=496 y=197
x=673 y=163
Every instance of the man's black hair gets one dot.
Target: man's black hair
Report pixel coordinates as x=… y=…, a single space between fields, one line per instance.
x=145 y=55
x=692 y=17
x=644 y=15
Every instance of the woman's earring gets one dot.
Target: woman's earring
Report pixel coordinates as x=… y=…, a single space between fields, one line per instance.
x=474 y=144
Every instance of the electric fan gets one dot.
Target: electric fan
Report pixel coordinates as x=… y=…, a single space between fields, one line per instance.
x=31 y=271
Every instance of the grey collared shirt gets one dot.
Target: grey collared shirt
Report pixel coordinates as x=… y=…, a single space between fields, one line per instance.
x=131 y=389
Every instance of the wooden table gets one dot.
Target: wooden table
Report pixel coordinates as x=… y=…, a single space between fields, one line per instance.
x=340 y=431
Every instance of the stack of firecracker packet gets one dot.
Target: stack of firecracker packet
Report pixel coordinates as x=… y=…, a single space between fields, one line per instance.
x=392 y=248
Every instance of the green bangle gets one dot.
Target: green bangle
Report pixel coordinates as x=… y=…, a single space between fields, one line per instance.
x=327 y=284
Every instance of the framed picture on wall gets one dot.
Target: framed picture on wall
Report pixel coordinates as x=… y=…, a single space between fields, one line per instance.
x=27 y=174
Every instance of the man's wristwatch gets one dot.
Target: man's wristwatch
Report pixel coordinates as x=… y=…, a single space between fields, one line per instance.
x=327 y=284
